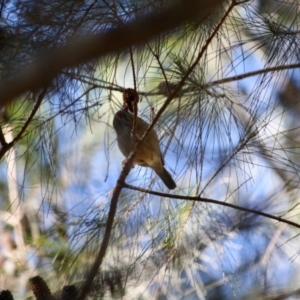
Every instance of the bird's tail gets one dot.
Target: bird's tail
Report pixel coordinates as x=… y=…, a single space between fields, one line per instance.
x=167 y=179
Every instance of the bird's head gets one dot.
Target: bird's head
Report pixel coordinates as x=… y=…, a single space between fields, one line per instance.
x=122 y=120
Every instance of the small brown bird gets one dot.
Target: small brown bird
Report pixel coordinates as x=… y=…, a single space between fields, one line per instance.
x=148 y=154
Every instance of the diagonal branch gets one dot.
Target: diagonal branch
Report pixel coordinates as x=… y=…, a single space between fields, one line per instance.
x=7 y=146
x=126 y=169
x=108 y=228
x=36 y=107
x=189 y=71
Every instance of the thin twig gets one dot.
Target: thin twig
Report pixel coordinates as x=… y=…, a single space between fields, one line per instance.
x=203 y=86
x=234 y=153
x=206 y=200
x=250 y=74
x=35 y=108
x=7 y=146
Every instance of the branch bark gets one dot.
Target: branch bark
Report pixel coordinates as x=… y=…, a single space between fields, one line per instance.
x=85 y=48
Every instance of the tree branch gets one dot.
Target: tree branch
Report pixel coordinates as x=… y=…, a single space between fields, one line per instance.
x=2 y=139
x=108 y=228
x=85 y=48
x=126 y=169
x=253 y=73
x=7 y=146
x=206 y=200
x=36 y=107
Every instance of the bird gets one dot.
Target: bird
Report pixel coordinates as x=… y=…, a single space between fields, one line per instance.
x=149 y=153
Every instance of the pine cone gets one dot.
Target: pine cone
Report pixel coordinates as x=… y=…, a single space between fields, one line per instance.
x=6 y=295
x=69 y=292
x=40 y=288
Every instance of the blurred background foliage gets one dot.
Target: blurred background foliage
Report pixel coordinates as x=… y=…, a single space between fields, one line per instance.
x=231 y=134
